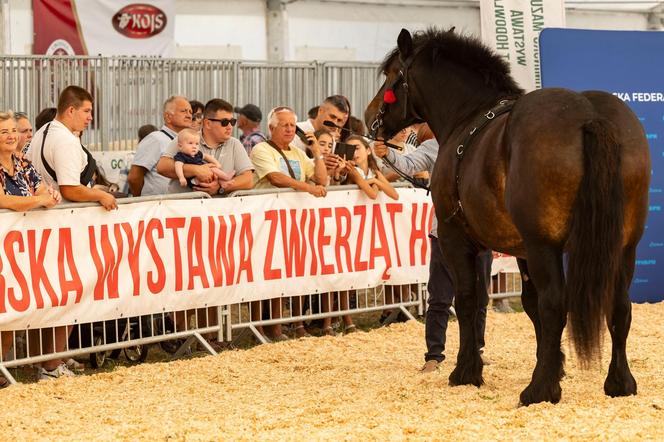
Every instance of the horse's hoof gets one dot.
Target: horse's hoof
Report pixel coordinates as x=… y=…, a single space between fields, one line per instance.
x=460 y=376
x=615 y=387
x=533 y=395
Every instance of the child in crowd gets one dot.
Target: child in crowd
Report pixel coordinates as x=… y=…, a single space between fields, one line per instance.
x=189 y=153
x=364 y=171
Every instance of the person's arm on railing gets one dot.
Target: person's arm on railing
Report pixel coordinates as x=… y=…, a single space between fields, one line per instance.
x=278 y=179
x=383 y=184
x=82 y=193
x=44 y=197
x=243 y=181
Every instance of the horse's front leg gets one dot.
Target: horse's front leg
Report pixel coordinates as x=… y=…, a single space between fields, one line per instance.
x=460 y=257
x=545 y=268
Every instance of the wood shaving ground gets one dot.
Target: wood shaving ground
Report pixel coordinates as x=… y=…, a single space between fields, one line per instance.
x=357 y=387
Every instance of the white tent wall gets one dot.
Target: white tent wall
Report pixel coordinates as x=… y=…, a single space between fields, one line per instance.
x=329 y=31
x=316 y=29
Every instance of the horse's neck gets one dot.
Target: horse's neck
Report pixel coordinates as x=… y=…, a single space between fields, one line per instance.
x=448 y=117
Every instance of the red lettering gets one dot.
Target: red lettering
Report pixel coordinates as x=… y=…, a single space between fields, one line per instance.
x=362 y=212
x=22 y=304
x=157 y=284
x=133 y=253
x=107 y=271
x=419 y=234
x=246 y=246
x=312 y=244
x=37 y=270
x=378 y=231
x=174 y=224
x=324 y=240
x=222 y=254
x=195 y=246
x=3 y=286
x=295 y=250
x=341 y=240
x=66 y=255
x=268 y=272
x=393 y=209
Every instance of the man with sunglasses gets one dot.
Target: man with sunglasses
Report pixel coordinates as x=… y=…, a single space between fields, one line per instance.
x=143 y=178
x=216 y=140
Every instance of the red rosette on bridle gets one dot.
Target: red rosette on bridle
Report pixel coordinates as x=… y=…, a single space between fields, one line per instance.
x=389 y=97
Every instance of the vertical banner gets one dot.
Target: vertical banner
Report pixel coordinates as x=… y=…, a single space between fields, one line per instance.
x=512 y=27
x=104 y=27
x=627 y=64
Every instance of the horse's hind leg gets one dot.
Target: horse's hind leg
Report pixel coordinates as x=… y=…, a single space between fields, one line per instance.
x=545 y=268
x=619 y=381
x=529 y=300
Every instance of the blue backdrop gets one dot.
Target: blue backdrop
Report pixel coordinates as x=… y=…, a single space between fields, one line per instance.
x=629 y=64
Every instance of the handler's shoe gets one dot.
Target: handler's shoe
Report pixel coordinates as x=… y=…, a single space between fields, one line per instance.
x=59 y=371
x=430 y=366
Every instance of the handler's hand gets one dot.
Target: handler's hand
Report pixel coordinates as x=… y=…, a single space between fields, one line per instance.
x=379 y=148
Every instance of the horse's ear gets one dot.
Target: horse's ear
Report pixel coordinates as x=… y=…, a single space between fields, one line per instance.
x=405 y=43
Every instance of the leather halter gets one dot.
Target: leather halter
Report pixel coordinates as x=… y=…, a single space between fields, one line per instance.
x=502 y=107
x=403 y=78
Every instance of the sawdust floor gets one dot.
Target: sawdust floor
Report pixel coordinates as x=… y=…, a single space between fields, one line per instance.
x=360 y=386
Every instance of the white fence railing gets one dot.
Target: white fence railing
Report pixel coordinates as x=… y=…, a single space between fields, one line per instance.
x=198 y=318
x=130 y=91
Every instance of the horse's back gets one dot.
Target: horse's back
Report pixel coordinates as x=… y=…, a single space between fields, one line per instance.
x=545 y=145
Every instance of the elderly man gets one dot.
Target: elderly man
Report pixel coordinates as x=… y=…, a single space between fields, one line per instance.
x=216 y=140
x=143 y=178
x=280 y=164
x=334 y=109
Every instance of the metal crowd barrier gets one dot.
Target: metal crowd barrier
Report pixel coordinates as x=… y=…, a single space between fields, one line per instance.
x=223 y=322
x=130 y=91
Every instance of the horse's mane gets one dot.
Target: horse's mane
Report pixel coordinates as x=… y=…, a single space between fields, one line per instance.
x=464 y=50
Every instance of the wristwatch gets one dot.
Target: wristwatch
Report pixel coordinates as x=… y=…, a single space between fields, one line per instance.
x=320 y=157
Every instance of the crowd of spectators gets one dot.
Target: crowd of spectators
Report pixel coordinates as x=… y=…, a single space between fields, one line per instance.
x=193 y=150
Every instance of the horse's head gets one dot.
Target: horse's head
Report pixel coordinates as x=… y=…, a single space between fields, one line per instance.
x=393 y=107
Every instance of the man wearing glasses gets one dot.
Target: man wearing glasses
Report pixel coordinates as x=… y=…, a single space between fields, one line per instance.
x=216 y=140
x=143 y=178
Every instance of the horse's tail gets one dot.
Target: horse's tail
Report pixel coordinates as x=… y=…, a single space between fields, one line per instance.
x=595 y=240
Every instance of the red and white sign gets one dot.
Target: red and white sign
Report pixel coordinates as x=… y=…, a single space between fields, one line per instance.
x=63 y=266
x=106 y=27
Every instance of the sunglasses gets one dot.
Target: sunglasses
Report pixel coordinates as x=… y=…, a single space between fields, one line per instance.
x=225 y=121
x=197 y=116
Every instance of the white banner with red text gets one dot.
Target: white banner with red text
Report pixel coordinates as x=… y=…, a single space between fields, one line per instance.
x=104 y=27
x=512 y=28
x=62 y=266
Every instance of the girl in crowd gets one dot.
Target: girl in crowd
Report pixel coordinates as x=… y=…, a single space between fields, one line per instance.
x=364 y=172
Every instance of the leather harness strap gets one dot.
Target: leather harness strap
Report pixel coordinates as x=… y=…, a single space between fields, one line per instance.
x=502 y=107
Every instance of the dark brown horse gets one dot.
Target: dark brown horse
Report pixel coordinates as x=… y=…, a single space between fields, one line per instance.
x=534 y=175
